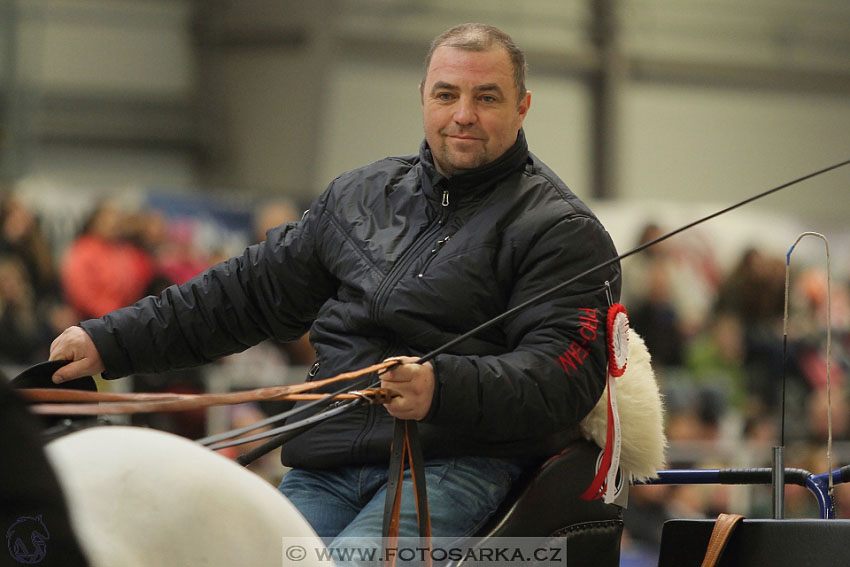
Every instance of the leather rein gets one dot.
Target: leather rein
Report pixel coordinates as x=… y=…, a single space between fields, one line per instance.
x=49 y=401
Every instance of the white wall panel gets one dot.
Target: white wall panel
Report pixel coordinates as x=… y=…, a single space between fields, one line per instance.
x=139 y=47
x=720 y=145
x=372 y=111
x=271 y=104
x=557 y=129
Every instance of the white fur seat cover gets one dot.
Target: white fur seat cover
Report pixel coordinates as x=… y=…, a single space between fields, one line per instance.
x=641 y=411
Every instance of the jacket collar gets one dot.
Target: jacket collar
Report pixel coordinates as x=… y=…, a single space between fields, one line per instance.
x=470 y=180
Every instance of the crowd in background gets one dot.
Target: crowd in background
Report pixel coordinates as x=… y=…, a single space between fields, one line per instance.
x=119 y=254
x=717 y=342
x=716 y=338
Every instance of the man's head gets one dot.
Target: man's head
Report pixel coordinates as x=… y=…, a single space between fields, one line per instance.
x=481 y=37
x=473 y=96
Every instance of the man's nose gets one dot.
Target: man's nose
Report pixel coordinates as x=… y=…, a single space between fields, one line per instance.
x=465 y=111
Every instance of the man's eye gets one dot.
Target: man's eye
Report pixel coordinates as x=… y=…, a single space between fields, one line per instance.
x=488 y=98
x=444 y=96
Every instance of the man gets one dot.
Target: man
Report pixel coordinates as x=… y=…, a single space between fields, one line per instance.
x=395 y=259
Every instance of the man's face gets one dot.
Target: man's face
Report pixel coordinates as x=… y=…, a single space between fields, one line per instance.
x=470 y=107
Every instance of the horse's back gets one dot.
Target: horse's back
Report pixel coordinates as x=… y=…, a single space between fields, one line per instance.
x=141 y=497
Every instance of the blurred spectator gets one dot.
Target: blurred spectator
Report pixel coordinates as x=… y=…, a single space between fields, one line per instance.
x=271 y=214
x=683 y=269
x=25 y=337
x=267 y=216
x=817 y=407
x=644 y=518
x=755 y=293
x=715 y=360
x=179 y=259
x=755 y=290
x=101 y=270
x=651 y=305
x=22 y=237
x=810 y=296
x=654 y=317
x=148 y=231
x=807 y=329
x=31 y=304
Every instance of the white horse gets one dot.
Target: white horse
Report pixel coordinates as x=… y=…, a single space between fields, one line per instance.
x=143 y=498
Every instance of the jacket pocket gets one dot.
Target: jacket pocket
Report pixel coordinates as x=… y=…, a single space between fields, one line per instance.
x=433 y=254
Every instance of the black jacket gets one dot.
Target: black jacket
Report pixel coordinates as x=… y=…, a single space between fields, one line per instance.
x=394 y=259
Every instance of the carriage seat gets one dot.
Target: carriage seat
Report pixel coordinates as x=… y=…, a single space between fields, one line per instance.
x=547 y=504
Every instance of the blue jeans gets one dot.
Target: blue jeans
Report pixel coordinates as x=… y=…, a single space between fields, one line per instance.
x=463 y=492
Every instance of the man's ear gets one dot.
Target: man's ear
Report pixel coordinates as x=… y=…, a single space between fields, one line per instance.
x=524 y=105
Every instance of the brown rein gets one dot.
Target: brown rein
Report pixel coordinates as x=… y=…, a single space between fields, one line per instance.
x=50 y=401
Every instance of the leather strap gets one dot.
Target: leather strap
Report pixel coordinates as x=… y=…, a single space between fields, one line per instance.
x=723 y=528
x=183 y=402
x=406 y=449
x=110 y=403
x=392 y=504
x=417 y=471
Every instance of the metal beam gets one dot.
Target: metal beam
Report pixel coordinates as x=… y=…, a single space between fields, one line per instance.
x=116 y=121
x=10 y=117
x=738 y=75
x=589 y=62
x=606 y=85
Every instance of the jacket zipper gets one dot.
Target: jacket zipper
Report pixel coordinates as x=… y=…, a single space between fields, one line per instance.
x=395 y=274
x=444 y=211
x=403 y=264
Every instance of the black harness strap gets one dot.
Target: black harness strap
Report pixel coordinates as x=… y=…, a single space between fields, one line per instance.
x=392 y=505
x=406 y=449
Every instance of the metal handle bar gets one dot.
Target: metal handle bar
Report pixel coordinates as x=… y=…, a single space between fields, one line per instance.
x=817 y=484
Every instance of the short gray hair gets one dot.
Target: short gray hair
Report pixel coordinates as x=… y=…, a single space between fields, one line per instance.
x=482 y=37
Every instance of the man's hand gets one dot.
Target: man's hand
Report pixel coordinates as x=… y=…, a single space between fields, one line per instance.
x=414 y=384
x=74 y=344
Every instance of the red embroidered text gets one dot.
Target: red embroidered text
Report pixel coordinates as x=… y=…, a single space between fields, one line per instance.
x=575 y=355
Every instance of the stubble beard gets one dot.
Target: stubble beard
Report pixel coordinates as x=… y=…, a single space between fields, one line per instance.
x=451 y=161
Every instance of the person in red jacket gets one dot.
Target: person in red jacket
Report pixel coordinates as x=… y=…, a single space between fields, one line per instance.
x=101 y=271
